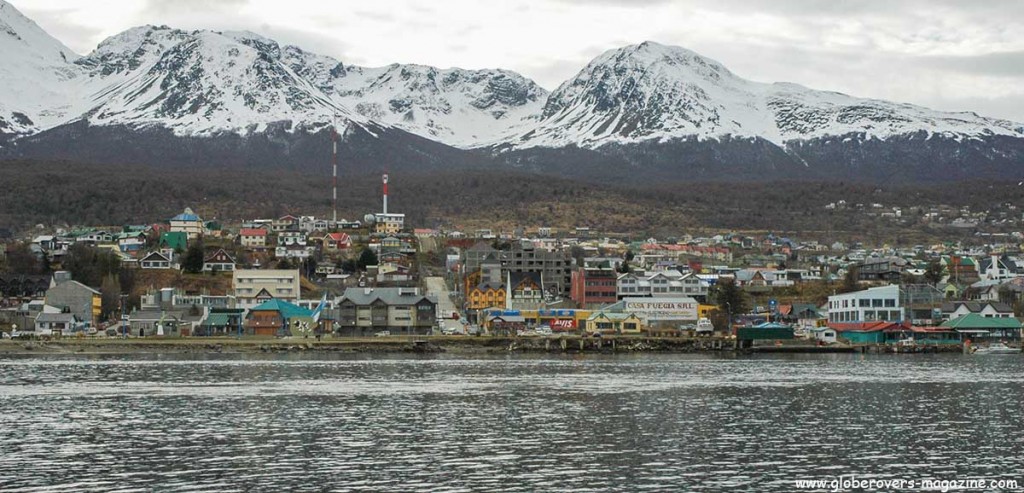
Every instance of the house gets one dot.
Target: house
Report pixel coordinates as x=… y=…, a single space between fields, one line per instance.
x=156 y=260
x=881 y=303
x=881 y=269
x=55 y=324
x=285 y=223
x=130 y=241
x=75 y=298
x=278 y=318
x=176 y=241
x=525 y=290
x=824 y=335
x=614 y=323
x=392 y=273
x=188 y=223
x=977 y=327
x=486 y=295
x=23 y=286
x=293 y=251
x=252 y=287
x=998 y=268
x=334 y=242
x=219 y=261
x=388 y=224
x=594 y=285
x=291 y=238
x=989 y=309
x=365 y=311
x=253 y=237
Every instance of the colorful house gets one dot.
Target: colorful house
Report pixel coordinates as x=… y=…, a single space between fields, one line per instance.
x=486 y=295
x=174 y=240
x=277 y=318
x=975 y=326
x=189 y=223
x=614 y=323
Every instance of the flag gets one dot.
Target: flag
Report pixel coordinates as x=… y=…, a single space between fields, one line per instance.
x=319 y=308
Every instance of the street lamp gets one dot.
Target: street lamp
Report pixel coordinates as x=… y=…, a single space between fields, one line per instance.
x=728 y=306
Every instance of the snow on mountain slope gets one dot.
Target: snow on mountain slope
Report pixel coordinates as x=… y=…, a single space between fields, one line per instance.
x=654 y=92
x=35 y=74
x=201 y=83
x=463 y=108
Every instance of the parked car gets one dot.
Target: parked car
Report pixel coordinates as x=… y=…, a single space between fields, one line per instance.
x=704 y=326
x=544 y=330
x=383 y=333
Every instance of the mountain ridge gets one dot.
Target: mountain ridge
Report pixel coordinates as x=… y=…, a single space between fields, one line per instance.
x=646 y=109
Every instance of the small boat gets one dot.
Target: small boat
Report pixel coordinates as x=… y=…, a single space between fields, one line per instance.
x=1000 y=348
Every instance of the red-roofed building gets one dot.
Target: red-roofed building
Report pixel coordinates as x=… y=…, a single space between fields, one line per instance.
x=337 y=241
x=253 y=237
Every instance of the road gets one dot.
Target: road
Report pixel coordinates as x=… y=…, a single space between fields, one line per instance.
x=445 y=307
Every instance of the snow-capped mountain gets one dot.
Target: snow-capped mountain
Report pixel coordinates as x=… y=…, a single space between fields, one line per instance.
x=652 y=92
x=200 y=83
x=35 y=69
x=167 y=96
x=463 y=108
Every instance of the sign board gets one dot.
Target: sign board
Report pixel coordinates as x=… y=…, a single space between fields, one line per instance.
x=563 y=324
x=652 y=309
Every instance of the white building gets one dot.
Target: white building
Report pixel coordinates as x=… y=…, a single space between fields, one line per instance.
x=666 y=283
x=252 y=287
x=870 y=305
x=388 y=223
x=189 y=223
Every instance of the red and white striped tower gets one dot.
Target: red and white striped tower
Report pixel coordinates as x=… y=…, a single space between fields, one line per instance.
x=334 y=165
x=385 y=193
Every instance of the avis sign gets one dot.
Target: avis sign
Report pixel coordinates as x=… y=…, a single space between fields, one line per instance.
x=652 y=309
x=563 y=324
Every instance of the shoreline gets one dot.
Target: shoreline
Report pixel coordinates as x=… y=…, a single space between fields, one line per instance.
x=429 y=344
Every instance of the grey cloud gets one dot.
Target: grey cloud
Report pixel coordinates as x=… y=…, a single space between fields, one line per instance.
x=160 y=7
x=1006 y=64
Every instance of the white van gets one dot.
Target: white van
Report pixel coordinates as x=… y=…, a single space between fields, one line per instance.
x=704 y=326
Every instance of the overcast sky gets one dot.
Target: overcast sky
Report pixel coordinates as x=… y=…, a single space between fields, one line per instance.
x=951 y=55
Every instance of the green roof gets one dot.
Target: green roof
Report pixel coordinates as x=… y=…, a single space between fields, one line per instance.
x=216 y=320
x=287 y=310
x=978 y=321
x=174 y=240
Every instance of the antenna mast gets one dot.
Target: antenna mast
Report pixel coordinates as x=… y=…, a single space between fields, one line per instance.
x=334 y=173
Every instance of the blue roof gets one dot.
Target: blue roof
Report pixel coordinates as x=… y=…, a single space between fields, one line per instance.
x=185 y=217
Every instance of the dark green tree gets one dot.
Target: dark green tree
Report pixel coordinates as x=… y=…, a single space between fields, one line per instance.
x=193 y=260
x=110 y=296
x=933 y=273
x=90 y=266
x=367 y=257
x=850 y=281
x=21 y=260
x=730 y=298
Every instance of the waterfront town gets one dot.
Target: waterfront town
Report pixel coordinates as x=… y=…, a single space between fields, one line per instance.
x=312 y=277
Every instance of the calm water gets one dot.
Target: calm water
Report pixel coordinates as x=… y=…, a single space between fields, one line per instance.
x=628 y=423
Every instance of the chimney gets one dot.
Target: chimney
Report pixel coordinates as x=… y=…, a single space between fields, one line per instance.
x=385 y=193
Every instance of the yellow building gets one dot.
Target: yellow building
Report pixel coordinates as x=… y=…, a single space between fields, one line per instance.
x=614 y=323
x=560 y=320
x=486 y=295
x=704 y=311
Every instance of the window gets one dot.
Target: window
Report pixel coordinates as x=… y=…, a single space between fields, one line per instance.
x=864 y=303
x=876 y=302
x=890 y=303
